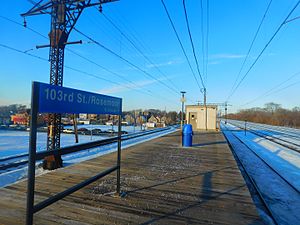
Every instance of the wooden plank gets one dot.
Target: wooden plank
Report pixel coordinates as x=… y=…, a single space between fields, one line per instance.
x=164 y=184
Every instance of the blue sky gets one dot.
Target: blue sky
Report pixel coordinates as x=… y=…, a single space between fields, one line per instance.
x=232 y=25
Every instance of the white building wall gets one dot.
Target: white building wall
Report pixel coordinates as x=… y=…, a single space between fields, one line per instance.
x=195 y=115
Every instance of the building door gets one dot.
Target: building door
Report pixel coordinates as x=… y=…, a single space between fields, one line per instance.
x=193 y=119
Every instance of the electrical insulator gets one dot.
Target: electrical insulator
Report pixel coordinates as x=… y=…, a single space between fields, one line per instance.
x=24 y=23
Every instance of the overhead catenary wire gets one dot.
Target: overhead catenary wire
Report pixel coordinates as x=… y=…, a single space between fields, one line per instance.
x=148 y=92
x=262 y=51
x=202 y=32
x=83 y=72
x=124 y=59
x=72 y=51
x=272 y=90
x=207 y=36
x=22 y=25
x=275 y=91
x=107 y=70
x=139 y=50
x=192 y=44
x=44 y=59
x=181 y=45
x=132 y=32
x=251 y=45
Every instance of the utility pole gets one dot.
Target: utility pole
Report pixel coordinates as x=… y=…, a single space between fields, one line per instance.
x=225 y=112
x=205 y=106
x=75 y=127
x=182 y=107
x=64 y=15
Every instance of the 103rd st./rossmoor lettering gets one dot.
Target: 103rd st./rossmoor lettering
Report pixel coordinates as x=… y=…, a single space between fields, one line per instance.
x=81 y=98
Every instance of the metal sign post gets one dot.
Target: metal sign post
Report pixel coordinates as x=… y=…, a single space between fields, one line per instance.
x=32 y=153
x=119 y=156
x=182 y=108
x=55 y=99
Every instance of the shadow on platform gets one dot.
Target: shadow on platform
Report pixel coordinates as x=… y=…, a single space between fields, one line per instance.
x=209 y=143
x=206 y=194
x=179 y=179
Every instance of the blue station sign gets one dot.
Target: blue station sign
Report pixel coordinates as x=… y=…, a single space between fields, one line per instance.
x=56 y=99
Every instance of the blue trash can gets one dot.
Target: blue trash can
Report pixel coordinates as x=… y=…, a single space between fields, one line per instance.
x=187 y=135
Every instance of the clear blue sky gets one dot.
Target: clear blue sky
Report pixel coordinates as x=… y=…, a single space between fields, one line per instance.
x=232 y=25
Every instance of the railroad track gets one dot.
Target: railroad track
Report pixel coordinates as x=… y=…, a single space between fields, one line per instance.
x=283 y=142
x=15 y=162
x=286 y=132
x=266 y=196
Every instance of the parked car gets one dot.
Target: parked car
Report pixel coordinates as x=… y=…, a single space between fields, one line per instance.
x=84 y=131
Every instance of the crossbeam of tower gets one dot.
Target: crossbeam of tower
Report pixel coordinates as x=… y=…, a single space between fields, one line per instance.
x=64 y=15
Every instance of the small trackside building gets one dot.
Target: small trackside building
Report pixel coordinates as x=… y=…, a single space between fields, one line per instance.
x=195 y=115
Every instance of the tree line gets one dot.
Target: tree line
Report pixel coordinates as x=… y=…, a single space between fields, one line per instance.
x=172 y=117
x=272 y=113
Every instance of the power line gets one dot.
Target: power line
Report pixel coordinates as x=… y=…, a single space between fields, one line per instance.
x=83 y=57
x=82 y=72
x=181 y=45
x=23 y=52
x=192 y=43
x=281 y=89
x=22 y=25
x=207 y=35
x=132 y=32
x=273 y=89
x=251 y=45
x=275 y=92
x=262 y=51
x=44 y=59
x=125 y=60
x=138 y=49
x=104 y=68
x=202 y=32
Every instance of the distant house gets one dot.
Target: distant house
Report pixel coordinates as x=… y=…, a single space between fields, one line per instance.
x=153 y=119
x=83 y=121
x=124 y=123
x=92 y=116
x=129 y=119
x=153 y=122
x=162 y=122
x=66 y=121
x=83 y=116
x=109 y=123
x=20 y=119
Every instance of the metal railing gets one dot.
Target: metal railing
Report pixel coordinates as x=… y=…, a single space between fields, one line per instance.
x=33 y=157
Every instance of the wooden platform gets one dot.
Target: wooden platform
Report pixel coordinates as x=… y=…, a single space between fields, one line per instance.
x=164 y=184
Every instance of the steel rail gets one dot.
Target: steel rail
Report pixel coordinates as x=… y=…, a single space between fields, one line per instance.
x=250 y=179
x=282 y=177
x=73 y=149
x=271 y=138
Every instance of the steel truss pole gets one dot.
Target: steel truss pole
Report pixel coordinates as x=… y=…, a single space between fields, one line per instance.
x=64 y=15
x=58 y=38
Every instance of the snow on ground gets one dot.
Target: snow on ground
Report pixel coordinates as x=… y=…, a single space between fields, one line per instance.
x=283 y=199
x=13 y=140
x=284 y=133
x=17 y=142
x=285 y=161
